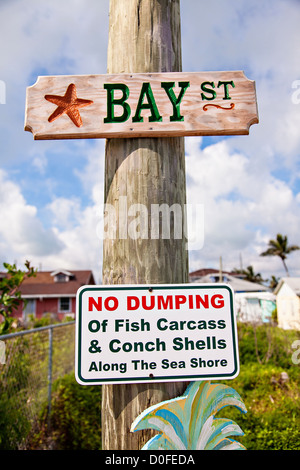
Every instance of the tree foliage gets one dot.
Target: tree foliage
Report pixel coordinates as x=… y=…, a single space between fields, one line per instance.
x=10 y=295
x=250 y=275
x=281 y=248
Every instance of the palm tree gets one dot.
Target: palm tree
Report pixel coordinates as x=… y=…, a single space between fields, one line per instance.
x=249 y=274
x=189 y=422
x=273 y=282
x=280 y=247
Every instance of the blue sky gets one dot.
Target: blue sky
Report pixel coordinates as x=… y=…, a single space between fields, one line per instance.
x=51 y=192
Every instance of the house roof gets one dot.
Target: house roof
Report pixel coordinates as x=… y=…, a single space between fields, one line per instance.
x=292 y=282
x=45 y=285
x=205 y=272
x=233 y=279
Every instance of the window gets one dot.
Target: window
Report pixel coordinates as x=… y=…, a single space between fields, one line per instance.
x=61 y=277
x=29 y=308
x=65 y=304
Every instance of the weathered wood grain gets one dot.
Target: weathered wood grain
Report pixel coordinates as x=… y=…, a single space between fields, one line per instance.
x=144 y=37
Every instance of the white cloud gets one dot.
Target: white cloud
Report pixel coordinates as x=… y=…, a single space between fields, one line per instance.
x=260 y=38
x=71 y=242
x=45 y=38
x=249 y=184
x=40 y=163
x=49 y=35
x=65 y=212
x=76 y=226
x=21 y=230
x=92 y=176
x=240 y=203
x=82 y=246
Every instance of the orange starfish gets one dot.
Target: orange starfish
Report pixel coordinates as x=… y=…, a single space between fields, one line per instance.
x=68 y=104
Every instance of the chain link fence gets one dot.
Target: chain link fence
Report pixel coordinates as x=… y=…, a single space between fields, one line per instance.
x=30 y=361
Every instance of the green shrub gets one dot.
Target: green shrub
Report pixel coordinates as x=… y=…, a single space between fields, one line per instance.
x=14 y=424
x=272 y=421
x=266 y=344
x=75 y=418
x=14 y=394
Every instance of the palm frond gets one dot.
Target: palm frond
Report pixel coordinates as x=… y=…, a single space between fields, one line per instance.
x=292 y=248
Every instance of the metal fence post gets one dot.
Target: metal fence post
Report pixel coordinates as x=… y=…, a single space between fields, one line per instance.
x=50 y=373
x=28 y=389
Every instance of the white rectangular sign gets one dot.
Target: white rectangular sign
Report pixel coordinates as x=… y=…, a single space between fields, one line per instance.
x=138 y=333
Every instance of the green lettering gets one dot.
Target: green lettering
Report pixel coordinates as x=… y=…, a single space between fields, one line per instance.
x=161 y=326
x=226 y=85
x=112 y=102
x=93 y=366
x=112 y=346
x=155 y=116
x=168 y=87
x=177 y=344
x=208 y=90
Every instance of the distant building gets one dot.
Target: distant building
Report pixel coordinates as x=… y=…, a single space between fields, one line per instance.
x=288 y=303
x=255 y=307
x=53 y=293
x=253 y=302
x=235 y=280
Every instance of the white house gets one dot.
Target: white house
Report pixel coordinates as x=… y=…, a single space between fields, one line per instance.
x=288 y=303
x=253 y=302
x=255 y=307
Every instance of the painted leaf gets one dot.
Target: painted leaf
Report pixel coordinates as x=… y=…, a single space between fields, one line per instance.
x=189 y=422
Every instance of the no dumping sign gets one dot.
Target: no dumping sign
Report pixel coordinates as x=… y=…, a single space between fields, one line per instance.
x=157 y=333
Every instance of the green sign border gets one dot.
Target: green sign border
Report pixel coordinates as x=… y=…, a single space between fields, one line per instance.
x=156 y=378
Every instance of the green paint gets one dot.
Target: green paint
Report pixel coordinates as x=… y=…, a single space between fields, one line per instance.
x=168 y=87
x=146 y=91
x=112 y=102
x=147 y=101
x=208 y=90
x=226 y=85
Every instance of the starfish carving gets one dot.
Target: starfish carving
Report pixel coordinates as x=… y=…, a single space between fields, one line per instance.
x=68 y=104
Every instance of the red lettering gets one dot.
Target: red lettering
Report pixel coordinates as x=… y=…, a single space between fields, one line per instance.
x=110 y=304
x=115 y=303
x=199 y=300
x=96 y=304
x=217 y=303
x=164 y=303
x=179 y=299
x=152 y=302
x=132 y=302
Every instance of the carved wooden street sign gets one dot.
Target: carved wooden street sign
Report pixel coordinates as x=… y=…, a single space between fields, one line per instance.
x=141 y=105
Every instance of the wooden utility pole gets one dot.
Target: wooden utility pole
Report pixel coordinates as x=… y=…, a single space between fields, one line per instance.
x=144 y=37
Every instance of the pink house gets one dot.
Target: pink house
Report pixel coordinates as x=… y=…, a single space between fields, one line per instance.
x=52 y=292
